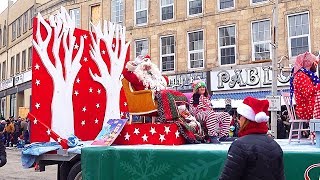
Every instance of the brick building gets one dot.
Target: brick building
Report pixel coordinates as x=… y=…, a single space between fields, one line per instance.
x=185 y=38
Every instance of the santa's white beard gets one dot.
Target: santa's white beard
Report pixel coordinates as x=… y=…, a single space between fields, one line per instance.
x=150 y=77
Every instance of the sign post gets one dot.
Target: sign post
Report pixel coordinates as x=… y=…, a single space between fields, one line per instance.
x=274 y=103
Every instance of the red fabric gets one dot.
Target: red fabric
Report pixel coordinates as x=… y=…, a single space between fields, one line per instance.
x=136 y=84
x=43 y=93
x=257 y=105
x=171 y=136
x=304 y=91
x=254 y=128
x=316 y=111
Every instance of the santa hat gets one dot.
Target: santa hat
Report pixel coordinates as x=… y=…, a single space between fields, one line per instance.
x=254 y=109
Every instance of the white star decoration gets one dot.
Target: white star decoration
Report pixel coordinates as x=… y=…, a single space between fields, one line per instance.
x=125 y=104
x=85 y=59
x=85 y=36
x=48 y=132
x=161 y=138
x=35 y=121
x=76 y=93
x=145 y=137
x=90 y=90
x=97 y=105
x=37 y=66
x=96 y=121
x=103 y=52
x=84 y=109
x=153 y=130
x=37 y=105
x=177 y=134
x=127 y=137
x=99 y=91
x=136 y=131
x=83 y=122
x=37 y=82
x=76 y=46
x=113 y=45
x=78 y=80
x=59 y=140
x=121 y=114
x=167 y=129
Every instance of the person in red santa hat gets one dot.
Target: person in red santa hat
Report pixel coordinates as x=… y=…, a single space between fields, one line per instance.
x=143 y=74
x=254 y=155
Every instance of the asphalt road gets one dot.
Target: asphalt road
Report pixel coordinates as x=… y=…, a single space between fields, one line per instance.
x=13 y=169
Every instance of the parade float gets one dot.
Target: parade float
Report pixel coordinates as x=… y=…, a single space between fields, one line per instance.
x=81 y=108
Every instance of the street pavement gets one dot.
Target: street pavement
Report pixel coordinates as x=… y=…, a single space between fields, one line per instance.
x=13 y=169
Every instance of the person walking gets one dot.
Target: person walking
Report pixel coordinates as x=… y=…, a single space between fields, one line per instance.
x=3 y=155
x=255 y=155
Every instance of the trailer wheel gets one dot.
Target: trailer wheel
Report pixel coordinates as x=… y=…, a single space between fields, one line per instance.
x=75 y=172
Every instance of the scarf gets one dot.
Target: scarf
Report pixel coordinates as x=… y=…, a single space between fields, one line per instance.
x=314 y=78
x=254 y=128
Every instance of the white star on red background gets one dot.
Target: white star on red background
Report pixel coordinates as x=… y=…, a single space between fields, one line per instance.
x=76 y=46
x=37 y=82
x=99 y=91
x=96 y=121
x=48 y=132
x=85 y=59
x=84 y=109
x=37 y=67
x=78 y=80
x=85 y=36
x=35 y=121
x=37 y=105
x=153 y=130
x=125 y=104
x=127 y=137
x=76 y=93
x=145 y=138
x=98 y=105
x=177 y=134
x=167 y=129
x=90 y=90
x=162 y=138
x=136 y=131
x=83 y=122
x=103 y=52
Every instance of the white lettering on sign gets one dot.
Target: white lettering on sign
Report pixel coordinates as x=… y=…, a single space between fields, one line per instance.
x=184 y=81
x=22 y=78
x=274 y=103
x=6 y=84
x=253 y=77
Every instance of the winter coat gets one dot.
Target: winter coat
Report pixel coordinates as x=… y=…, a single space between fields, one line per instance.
x=3 y=155
x=254 y=157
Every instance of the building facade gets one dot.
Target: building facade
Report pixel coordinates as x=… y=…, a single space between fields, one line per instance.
x=183 y=37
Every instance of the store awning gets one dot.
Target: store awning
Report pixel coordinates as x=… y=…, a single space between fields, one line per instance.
x=218 y=99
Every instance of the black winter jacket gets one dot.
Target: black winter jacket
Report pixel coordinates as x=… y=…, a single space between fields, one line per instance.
x=254 y=157
x=3 y=155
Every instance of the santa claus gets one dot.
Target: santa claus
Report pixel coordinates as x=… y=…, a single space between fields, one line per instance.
x=143 y=74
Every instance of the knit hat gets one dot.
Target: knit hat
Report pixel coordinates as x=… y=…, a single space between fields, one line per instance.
x=197 y=84
x=254 y=109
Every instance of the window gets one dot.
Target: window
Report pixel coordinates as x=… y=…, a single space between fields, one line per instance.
x=18 y=63
x=261 y=39
x=299 y=36
x=4 y=67
x=23 y=60
x=141 y=12
x=196 y=51
x=13 y=26
x=227 y=45
x=12 y=66
x=226 y=4
x=4 y=35
x=167 y=53
x=258 y=1
x=19 y=27
x=140 y=45
x=117 y=11
x=25 y=22
x=3 y=106
x=31 y=11
x=29 y=57
x=194 y=7
x=95 y=14
x=13 y=104
x=166 y=9
x=76 y=12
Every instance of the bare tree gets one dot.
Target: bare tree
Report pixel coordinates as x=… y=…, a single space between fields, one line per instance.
x=110 y=79
x=62 y=26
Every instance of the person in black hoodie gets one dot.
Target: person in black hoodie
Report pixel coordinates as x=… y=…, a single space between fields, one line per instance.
x=254 y=156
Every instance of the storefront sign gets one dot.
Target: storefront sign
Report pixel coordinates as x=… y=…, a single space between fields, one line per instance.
x=274 y=103
x=182 y=82
x=253 y=77
x=22 y=78
x=5 y=84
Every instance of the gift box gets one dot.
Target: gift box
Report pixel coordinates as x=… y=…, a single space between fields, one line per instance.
x=148 y=133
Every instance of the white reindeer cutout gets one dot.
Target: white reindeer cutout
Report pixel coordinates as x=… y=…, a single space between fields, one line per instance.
x=110 y=79
x=63 y=76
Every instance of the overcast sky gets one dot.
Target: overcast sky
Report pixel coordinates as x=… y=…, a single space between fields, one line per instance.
x=4 y=4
